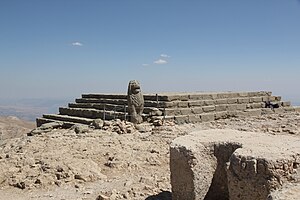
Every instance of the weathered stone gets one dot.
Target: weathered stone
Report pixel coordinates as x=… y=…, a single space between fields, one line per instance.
x=207 y=117
x=168 y=105
x=44 y=128
x=183 y=104
x=194 y=118
x=241 y=106
x=221 y=115
x=135 y=102
x=297 y=108
x=272 y=98
x=181 y=119
x=195 y=97
x=197 y=110
x=232 y=100
x=266 y=98
x=289 y=109
x=209 y=102
x=243 y=94
x=158 y=122
x=221 y=101
x=143 y=128
x=184 y=97
x=243 y=100
x=256 y=99
x=257 y=105
x=208 y=108
x=232 y=107
x=230 y=164
x=266 y=111
x=277 y=98
x=278 y=110
x=51 y=125
x=80 y=128
x=155 y=112
x=224 y=95
x=102 y=197
x=221 y=107
x=196 y=103
x=98 y=123
x=252 y=112
x=286 y=103
x=186 y=111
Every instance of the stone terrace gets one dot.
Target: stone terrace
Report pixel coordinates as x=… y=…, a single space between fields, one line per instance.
x=180 y=107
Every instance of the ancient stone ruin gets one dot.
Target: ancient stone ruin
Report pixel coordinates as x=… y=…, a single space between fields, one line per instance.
x=213 y=164
x=178 y=107
x=135 y=101
x=235 y=165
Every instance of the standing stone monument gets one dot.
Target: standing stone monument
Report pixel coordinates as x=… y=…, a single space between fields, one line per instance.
x=135 y=100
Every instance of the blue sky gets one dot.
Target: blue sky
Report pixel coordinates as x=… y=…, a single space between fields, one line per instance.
x=62 y=48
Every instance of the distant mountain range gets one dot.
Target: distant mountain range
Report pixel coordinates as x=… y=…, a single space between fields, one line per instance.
x=30 y=109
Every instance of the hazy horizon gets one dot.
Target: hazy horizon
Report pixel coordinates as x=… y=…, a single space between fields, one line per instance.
x=61 y=49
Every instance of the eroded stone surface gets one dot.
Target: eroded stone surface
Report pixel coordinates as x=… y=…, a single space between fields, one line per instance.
x=230 y=164
x=135 y=102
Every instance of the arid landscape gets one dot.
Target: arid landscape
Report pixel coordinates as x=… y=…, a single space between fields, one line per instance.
x=103 y=164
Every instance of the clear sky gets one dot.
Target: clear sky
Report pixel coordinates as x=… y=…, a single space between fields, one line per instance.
x=62 y=48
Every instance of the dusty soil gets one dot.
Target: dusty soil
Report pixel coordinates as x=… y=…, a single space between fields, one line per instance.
x=64 y=165
x=13 y=127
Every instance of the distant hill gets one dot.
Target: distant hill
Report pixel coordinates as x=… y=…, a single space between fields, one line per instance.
x=13 y=127
x=30 y=109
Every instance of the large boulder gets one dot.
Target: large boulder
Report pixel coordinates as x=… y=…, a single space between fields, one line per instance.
x=230 y=164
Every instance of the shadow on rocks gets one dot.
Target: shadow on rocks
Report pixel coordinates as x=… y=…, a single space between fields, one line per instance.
x=165 y=195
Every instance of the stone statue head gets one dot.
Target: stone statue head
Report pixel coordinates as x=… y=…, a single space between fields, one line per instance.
x=134 y=87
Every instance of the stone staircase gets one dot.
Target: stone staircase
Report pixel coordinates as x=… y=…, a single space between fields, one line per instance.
x=180 y=107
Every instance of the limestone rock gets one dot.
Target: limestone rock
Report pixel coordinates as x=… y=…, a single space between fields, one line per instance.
x=218 y=164
x=143 y=128
x=102 y=197
x=44 y=128
x=158 y=122
x=98 y=123
x=155 y=112
x=80 y=128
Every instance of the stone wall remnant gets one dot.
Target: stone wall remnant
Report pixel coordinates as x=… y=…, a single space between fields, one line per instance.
x=230 y=164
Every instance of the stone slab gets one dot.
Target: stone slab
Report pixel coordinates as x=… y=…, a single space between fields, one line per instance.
x=230 y=164
x=181 y=119
x=207 y=117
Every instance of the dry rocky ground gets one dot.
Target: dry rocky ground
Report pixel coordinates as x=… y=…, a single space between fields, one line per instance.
x=104 y=164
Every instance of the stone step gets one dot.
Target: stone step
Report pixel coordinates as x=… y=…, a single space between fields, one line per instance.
x=106 y=101
x=212 y=108
x=207 y=117
x=66 y=124
x=183 y=104
x=212 y=95
x=150 y=97
x=66 y=118
x=109 y=107
x=92 y=113
x=217 y=108
x=69 y=121
x=183 y=96
x=99 y=106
